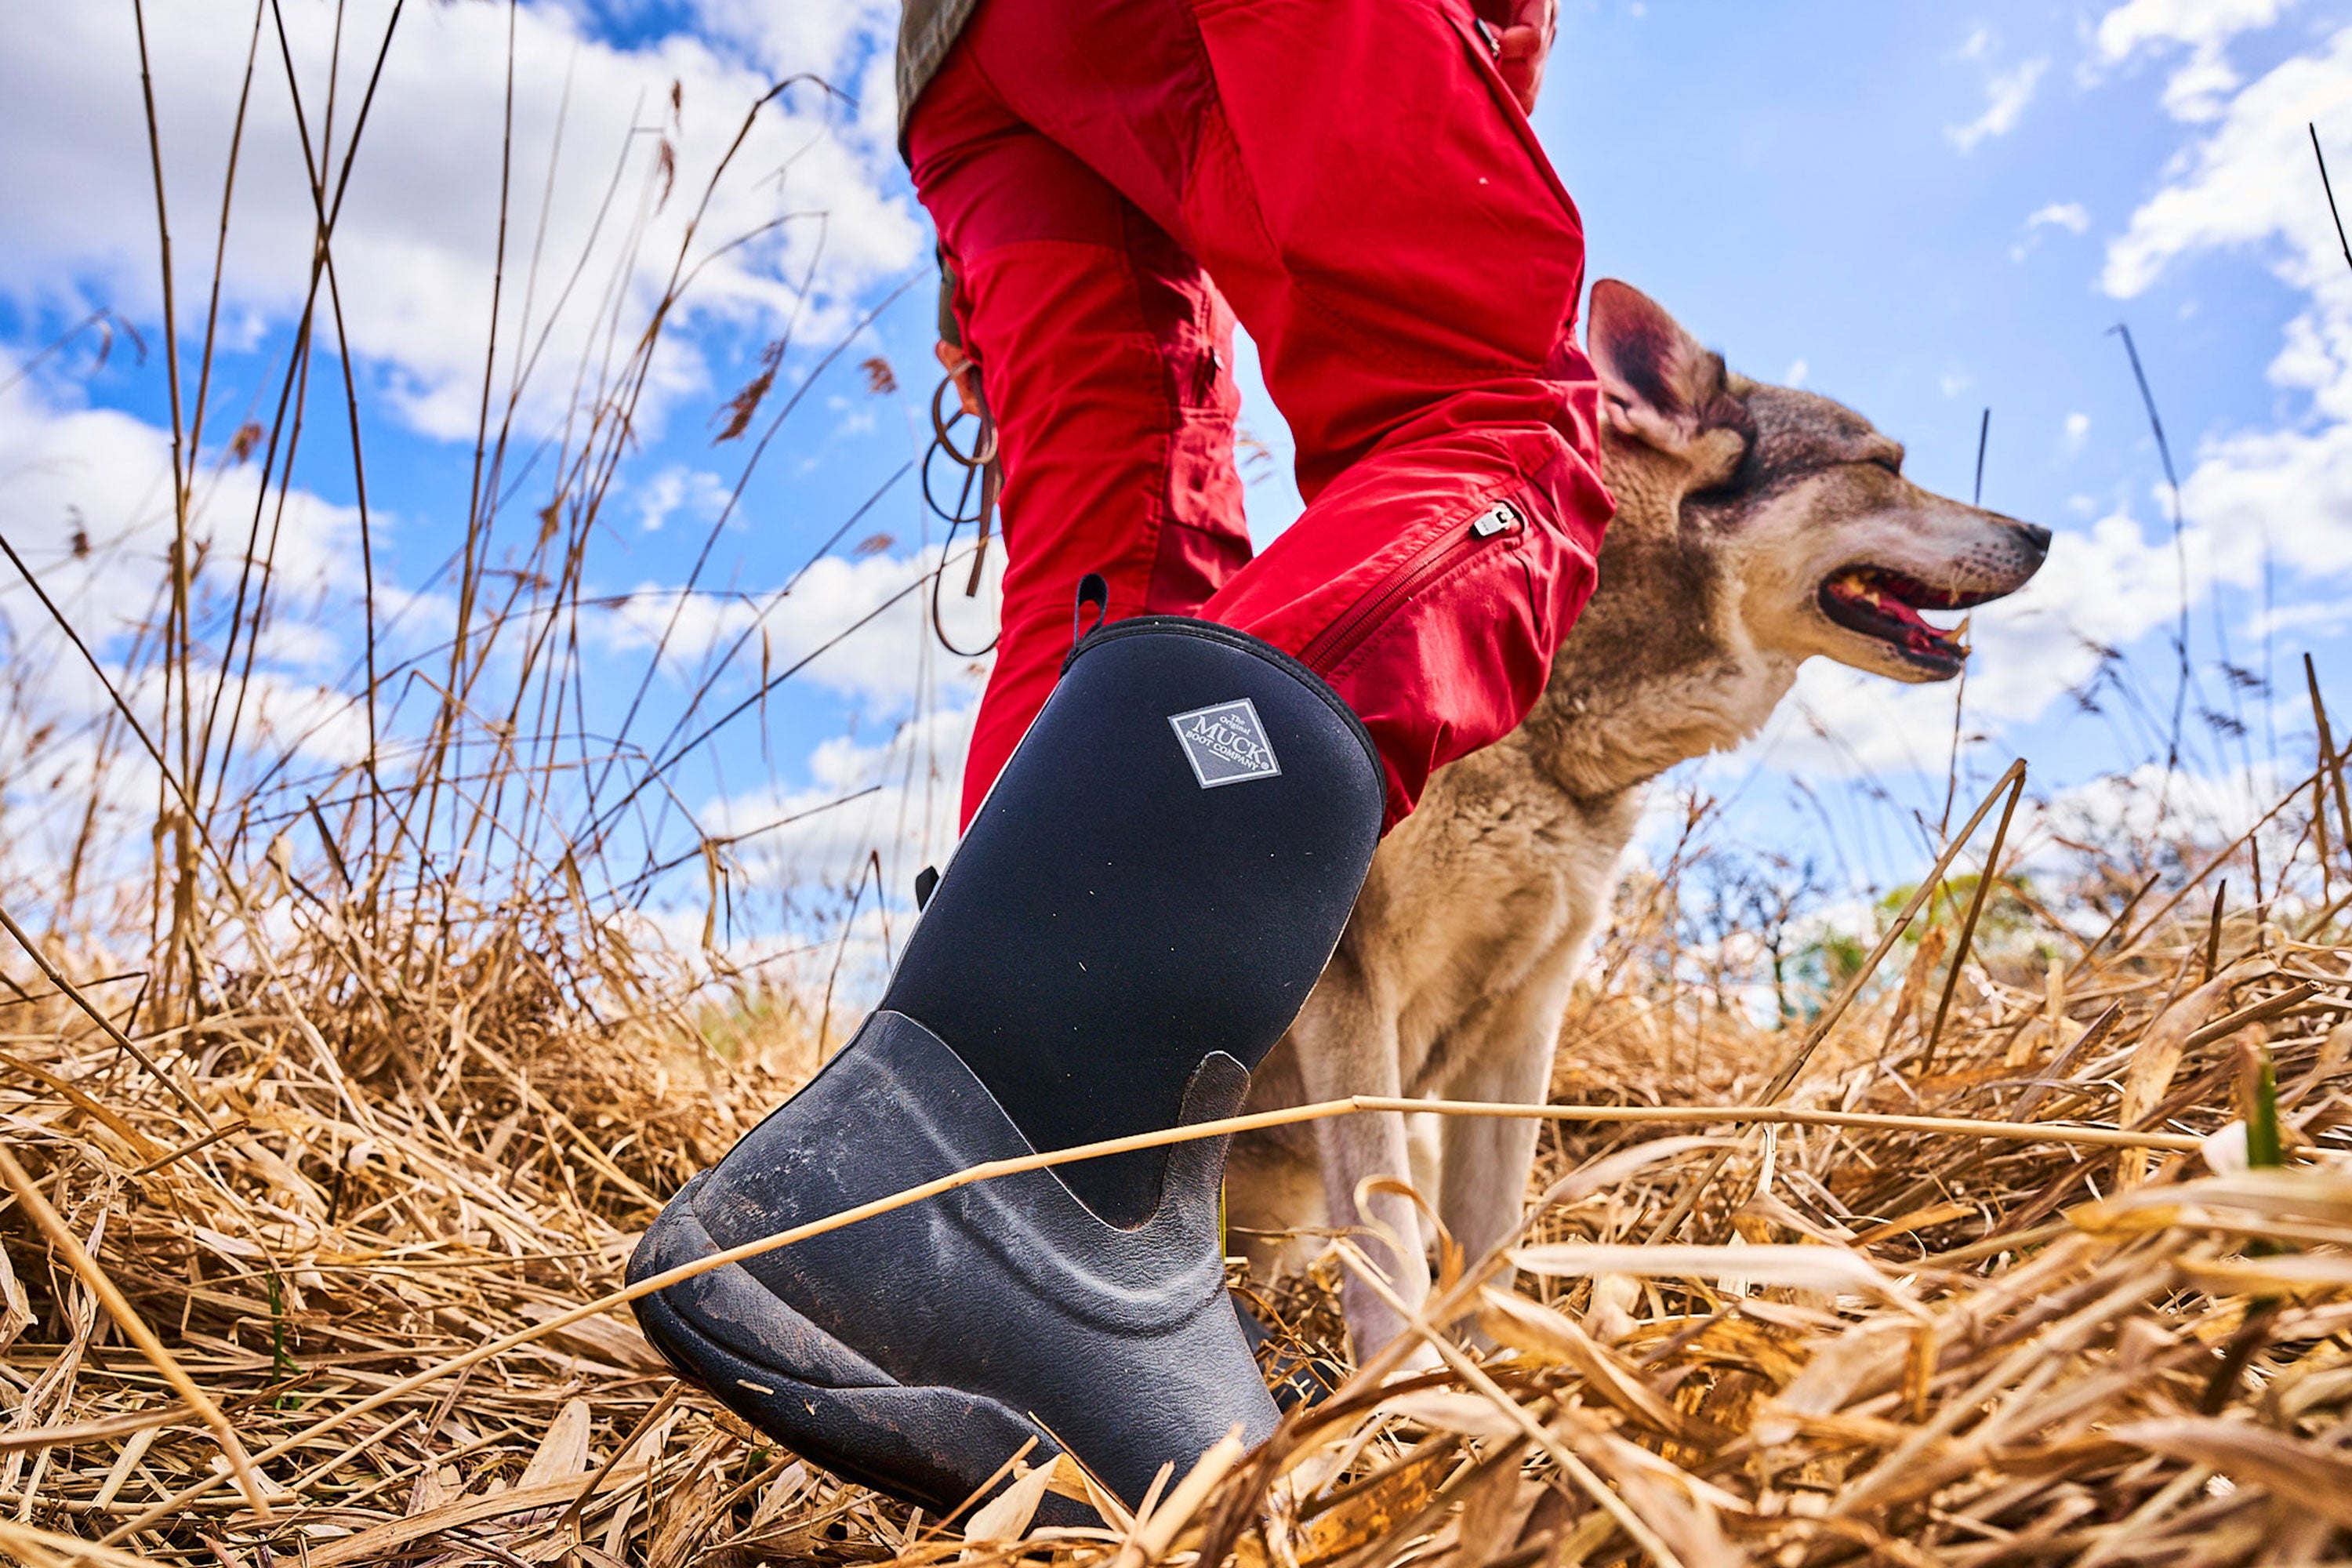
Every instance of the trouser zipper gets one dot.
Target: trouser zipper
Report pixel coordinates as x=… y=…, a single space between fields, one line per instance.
x=1332 y=646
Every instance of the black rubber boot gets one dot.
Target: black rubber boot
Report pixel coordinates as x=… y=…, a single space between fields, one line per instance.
x=1136 y=914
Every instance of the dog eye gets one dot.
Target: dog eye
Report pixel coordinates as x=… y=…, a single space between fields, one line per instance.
x=1743 y=477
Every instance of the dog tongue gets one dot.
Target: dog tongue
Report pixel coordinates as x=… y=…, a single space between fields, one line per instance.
x=1857 y=587
x=1879 y=593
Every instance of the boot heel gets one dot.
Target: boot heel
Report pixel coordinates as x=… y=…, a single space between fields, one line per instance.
x=933 y=1447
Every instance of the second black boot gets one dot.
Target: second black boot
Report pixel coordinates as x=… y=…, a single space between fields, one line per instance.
x=1137 y=912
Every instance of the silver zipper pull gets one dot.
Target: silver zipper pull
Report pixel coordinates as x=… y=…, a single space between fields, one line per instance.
x=1500 y=518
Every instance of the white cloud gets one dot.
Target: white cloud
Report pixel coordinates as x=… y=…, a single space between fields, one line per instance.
x=811 y=845
x=2313 y=621
x=2006 y=94
x=415 y=244
x=829 y=39
x=2072 y=216
x=2197 y=87
x=697 y=493
x=2151 y=810
x=2284 y=488
x=2146 y=24
x=2250 y=181
x=784 y=40
x=917 y=773
x=594 y=230
x=887 y=662
x=1796 y=374
x=2287 y=489
x=86 y=501
x=2248 y=185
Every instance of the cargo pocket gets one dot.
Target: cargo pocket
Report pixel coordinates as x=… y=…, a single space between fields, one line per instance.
x=1482 y=63
x=1455 y=549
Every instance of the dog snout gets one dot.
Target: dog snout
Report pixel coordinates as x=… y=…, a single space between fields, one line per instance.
x=2037 y=538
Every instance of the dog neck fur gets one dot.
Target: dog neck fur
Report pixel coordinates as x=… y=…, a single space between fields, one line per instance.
x=1645 y=683
x=1663 y=666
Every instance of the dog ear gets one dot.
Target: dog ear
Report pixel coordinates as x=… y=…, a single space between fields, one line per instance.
x=1658 y=384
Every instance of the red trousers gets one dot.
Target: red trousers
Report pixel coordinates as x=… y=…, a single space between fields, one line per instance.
x=1369 y=197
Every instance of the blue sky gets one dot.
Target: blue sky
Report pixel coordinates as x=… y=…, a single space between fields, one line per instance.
x=1924 y=211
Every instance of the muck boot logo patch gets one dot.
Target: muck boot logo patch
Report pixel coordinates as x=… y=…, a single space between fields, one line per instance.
x=1226 y=743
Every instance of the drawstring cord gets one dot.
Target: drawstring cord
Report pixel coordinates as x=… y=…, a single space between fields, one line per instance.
x=982 y=472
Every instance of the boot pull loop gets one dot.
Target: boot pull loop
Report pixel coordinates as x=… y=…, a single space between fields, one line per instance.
x=1092 y=590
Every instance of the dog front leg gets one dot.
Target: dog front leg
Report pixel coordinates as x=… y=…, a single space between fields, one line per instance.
x=1346 y=1045
x=1385 y=1227
x=1486 y=1161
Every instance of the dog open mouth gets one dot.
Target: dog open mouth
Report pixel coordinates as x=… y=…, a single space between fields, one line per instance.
x=1884 y=605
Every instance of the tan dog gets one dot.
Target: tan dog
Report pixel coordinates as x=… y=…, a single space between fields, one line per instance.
x=1757 y=526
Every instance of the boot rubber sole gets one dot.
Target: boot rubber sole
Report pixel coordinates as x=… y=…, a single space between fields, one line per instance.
x=933 y=1447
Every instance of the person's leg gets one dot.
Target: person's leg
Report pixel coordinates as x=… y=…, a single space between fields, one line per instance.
x=1131 y=918
x=1169 y=857
x=1366 y=192
x=1103 y=351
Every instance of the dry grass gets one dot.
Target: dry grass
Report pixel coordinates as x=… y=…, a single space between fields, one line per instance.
x=1867 y=1342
